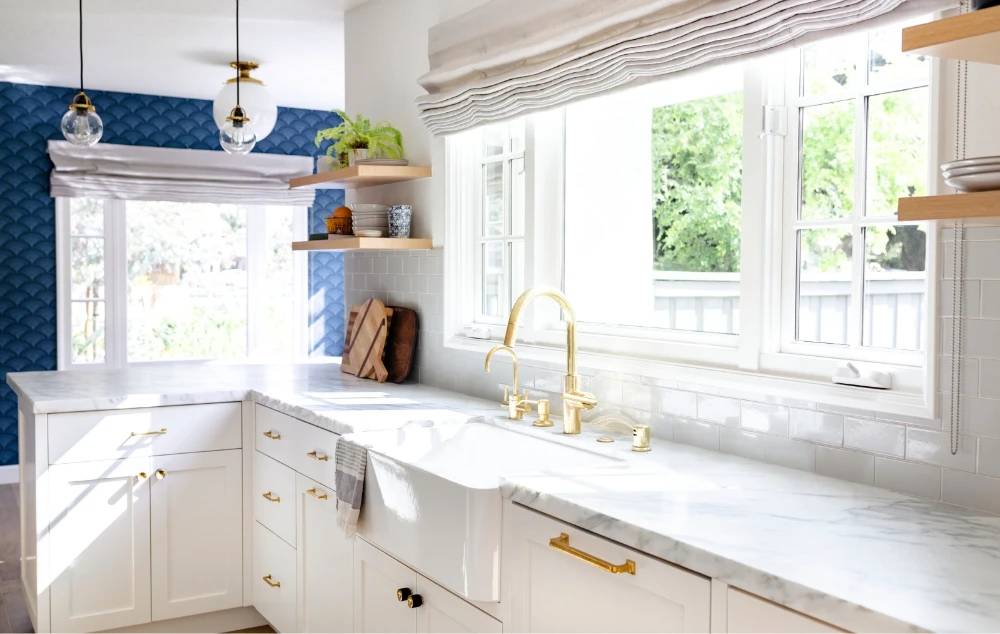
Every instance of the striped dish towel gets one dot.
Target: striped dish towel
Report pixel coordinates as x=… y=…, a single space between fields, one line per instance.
x=349 y=461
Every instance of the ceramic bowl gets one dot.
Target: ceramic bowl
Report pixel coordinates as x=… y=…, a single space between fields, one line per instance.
x=363 y=208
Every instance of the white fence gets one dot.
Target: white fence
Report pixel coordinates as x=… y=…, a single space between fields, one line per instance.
x=710 y=302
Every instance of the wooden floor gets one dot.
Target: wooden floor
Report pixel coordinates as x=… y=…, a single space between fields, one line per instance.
x=13 y=613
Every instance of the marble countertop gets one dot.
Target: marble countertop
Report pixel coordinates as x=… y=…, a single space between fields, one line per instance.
x=861 y=558
x=317 y=393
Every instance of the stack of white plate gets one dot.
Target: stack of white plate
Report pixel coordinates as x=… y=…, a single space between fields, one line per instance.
x=369 y=217
x=973 y=175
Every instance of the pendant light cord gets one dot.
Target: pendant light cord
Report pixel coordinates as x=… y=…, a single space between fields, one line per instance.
x=81 y=45
x=237 y=52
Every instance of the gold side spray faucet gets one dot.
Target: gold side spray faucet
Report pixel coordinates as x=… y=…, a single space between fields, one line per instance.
x=574 y=399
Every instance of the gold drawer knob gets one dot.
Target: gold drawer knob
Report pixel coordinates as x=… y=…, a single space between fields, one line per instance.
x=403 y=594
x=160 y=474
x=273 y=584
x=414 y=601
x=561 y=543
x=272 y=435
x=150 y=433
x=318 y=496
x=142 y=475
x=271 y=498
x=315 y=456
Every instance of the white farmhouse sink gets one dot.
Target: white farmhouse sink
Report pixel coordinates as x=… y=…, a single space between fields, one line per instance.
x=432 y=497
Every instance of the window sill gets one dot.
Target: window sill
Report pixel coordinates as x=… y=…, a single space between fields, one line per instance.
x=803 y=388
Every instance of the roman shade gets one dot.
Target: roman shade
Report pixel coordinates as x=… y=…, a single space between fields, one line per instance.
x=176 y=175
x=507 y=58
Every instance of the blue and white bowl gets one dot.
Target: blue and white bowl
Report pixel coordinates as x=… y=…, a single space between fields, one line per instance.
x=399 y=221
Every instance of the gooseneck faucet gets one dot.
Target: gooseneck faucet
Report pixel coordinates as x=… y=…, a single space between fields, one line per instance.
x=574 y=399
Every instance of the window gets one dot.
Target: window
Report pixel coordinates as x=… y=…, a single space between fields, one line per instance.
x=169 y=282
x=739 y=218
x=500 y=265
x=858 y=143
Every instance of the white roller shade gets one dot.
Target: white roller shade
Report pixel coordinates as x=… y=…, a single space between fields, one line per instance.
x=507 y=58
x=196 y=176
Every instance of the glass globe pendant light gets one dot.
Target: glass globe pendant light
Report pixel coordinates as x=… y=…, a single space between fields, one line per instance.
x=81 y=124
x=237 y=135
x=255 y=98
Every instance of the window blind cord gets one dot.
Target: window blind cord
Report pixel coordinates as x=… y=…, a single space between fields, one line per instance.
x=958 y=258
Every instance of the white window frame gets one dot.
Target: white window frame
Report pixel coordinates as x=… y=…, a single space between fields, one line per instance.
x=756 y=358
x=116 y=287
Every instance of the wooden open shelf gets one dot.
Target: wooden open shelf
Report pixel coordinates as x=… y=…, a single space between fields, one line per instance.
x=950 y=207
x=973 y=36
x=361 y=176
x=360 y=244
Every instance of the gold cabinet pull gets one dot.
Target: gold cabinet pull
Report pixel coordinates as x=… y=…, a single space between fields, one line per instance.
x=318 y=496
x=403 y=594
x=316 y=456
x=273 y=584
x=142 y=475
x=160 y=474
x=271 y=498
x=273 y=436
x=562 y=543
x=150 y=433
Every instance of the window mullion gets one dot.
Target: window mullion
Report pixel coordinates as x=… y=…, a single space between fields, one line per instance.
x=855 y=327
x=116 y=284
x=256 y=274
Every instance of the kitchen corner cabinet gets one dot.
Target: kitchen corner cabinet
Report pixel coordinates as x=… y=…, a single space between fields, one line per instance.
x=553 y=588
x=390 y=597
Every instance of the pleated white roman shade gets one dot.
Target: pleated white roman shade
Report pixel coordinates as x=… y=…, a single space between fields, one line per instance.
x=507 y=58
x=176 y=175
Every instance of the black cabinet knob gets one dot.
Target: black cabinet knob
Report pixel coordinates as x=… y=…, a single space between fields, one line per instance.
x=403 y=594
x=415 y=601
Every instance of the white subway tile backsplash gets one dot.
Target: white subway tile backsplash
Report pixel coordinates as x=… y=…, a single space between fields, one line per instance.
x=853 y=466
x=661 y=426
x=909 y=420
x=990 y=300
x=658 y=382
x=981 y=337
x=971 y=490
x=378 y=265
x=719 y=409
x=677 y=402
x=849 y=411
x=934 y=447
x=979 y=416
x=989 y=457
x=970 y=300
x=692 y=432
x=970 y=375
x=989 y=378
x=743 y=443
x=794 y=454
x=638 y=396
x=772 y=419
x=694 y=387
x=875 y=437
x=816 y=426
x=607 y=389
x=908 y=477
x=549 y=380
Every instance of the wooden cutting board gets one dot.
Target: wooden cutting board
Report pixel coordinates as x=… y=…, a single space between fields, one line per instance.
x=401 y=344
x=363 y=351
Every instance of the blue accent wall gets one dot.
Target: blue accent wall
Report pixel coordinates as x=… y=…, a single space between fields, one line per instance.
x=29 y=116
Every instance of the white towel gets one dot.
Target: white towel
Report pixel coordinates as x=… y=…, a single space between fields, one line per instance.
x=350 y=461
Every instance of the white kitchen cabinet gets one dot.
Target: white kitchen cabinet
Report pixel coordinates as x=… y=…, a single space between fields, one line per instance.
x=274 y=579
x=324 y=561
x=197 y=533
x=747 y=613
x=274 y=496
x=99 y=544
x=553 y=587
x=442 y=612
x=379 y=583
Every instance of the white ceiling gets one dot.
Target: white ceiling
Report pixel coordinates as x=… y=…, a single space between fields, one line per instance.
x=179 y=48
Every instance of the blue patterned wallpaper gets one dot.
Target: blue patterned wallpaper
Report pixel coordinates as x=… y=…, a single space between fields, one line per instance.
x=29 y=115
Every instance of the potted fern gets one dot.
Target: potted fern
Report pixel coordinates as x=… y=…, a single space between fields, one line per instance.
x=358 y=138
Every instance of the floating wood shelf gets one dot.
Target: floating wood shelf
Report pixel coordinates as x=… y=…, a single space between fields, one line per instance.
x=973 y=36
x=950 y=207
x=361 y=244
x=361 y=176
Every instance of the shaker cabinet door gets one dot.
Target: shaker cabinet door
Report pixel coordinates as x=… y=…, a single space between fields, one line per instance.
x=379 y=582
x=99 y=544
x=325 y=561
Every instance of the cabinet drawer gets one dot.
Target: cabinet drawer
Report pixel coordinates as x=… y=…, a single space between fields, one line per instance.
x=274 y=579
x=303 y=447
x=553 y=583
x=154 y=431
x=274 y=496
x=747 y=613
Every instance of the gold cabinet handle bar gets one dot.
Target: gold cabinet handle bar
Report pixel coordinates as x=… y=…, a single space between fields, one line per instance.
x=562 y=543
x=271 y=498
x=315 y=456
x=318 y=496
x=273 y=584
x=272 y=435
x=150 y=433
